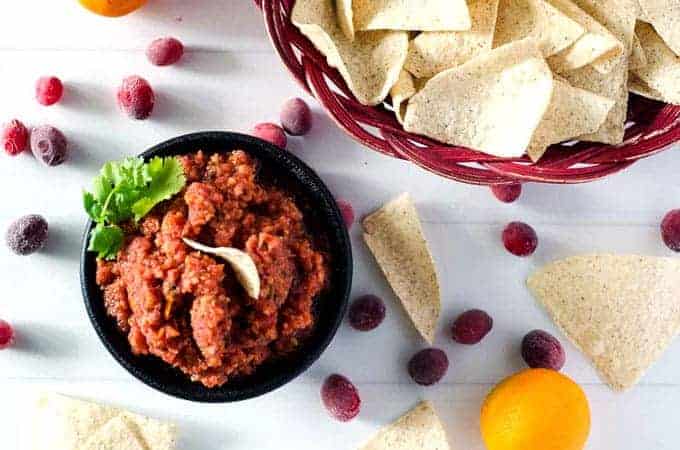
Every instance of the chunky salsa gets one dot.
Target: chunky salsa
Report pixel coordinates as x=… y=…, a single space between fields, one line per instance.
x=187 y=307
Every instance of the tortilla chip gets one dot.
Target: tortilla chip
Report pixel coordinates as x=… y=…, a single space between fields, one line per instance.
x=519 y=19
x=370 y=64
x=343 y=9
x=492 y=103
x=156 y=434
x=639 y=87
x=114 y=435
x=572 y=112
x=402 y=90
x=412 y=15
x=664 y=15
x=395 y=237
x=433 y=52
x=622 y=311
x=419 y=429
x=638 y=58
x=662 y=72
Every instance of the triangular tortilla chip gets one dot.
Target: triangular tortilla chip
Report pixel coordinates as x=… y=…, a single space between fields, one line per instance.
x=492 y=103
x=664 y=15
x=419 y=429
x=639 y=87
x=114 y=435
x=395 y=237
x=370 y=64
x=638 y=58
x=622 y=311
x=572 y=112
x=345 y=17
x=662 y=72
x=402 y=90
x=519 y=19
x=412 y=15
x=433 y=52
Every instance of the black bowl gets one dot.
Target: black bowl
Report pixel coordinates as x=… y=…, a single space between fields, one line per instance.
x=325 y=223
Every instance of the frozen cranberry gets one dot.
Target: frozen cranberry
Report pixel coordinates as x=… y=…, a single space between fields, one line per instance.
x=347 y=212
x=670 y=230
x=366 y=313
x=270 y=132
x=296 y=117
x=471 y=327
x=507 y=193
x=49 y=145
x=520 y=239
x=48 y=90
x=341 y=398
x=165 y=51
x=6 y=335
x=136 y=97
x=14 y=137
x=540 y=349
x=428 y=366
x=27 y=235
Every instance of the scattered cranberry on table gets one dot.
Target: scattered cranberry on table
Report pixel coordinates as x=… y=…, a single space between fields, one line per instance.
x=471 y=327
x=296 y=117
x=165 y=51
x=507 y=193
x=14 y=137
x=27 y=235
x=347 y=212
x=48 y=90
x=49 y=145
x=540 y=349
x=428 y=366
x=520 y=239
x=136 y=97
x=271 y=132
x=6 y=335
x=366 y=313
x=341 y=398
x=670 y=230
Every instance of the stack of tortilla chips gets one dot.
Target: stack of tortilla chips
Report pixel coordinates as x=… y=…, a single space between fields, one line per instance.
x=505 y=77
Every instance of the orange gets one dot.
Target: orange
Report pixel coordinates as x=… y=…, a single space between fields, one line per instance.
x=536 y=409
x=112 y=8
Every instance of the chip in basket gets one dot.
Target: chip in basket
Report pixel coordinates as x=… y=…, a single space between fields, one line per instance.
x=402 y=90
x=662 y=72
x=664 y=15
x=414 y=15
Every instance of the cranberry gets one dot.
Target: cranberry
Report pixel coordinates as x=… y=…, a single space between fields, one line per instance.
x=428 y=366
x=27 y=235
x=341 y=398
x=6 y=335
x=270 y=132
x=296 y=117
x=670 y=230
x=48 y=90
x=49 y=145
x=507 y=193
x=165 y=51
x=136 y=97
x=471 y=327
x=366 y=313
x=14 y=137
x=520 y=239
x=347 y=212
x=540 y=349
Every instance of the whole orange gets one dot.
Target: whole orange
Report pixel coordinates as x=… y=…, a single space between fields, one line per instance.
x=536 y=409
x=112 y=8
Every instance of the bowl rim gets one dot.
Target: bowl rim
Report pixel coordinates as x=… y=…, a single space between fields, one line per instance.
x=295 y=168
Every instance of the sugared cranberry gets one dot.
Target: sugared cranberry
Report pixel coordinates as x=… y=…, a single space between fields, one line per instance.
x=507 y=193
x=49 y=145
x=540 y=349
x=341 y=398
x=48 y=90
x=270 y=132
x=428 y=366
x=296 y=117
x=366 y=313
x=470 y=327
x=165 y=51
x=14 y=137
x=520 y=239
x=136 y=97
x=347 y=212
x=27 y=235
x=6 y=335
x=670 y=230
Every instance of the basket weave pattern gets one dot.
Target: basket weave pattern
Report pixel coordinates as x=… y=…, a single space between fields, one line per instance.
x=653 y=127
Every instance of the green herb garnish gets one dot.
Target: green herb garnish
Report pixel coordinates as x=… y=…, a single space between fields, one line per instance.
x=128 y=190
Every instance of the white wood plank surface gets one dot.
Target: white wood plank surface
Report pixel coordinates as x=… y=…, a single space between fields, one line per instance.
x=231 y=79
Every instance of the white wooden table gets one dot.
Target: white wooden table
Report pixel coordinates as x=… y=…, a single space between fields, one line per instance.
x=231 y=79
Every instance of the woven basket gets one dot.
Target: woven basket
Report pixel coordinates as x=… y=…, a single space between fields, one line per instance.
x=653 y=126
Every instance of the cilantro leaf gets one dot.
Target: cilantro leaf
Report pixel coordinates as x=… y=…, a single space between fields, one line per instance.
x=167 y=179
x=106 y=240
